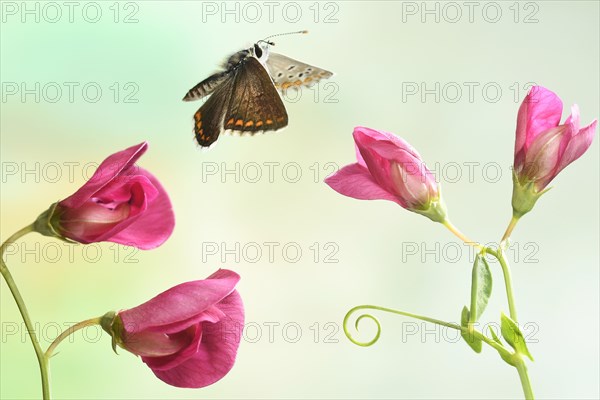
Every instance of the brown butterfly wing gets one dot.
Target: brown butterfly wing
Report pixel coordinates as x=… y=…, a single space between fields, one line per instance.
x=254 y=104
x=208 y=120
x=206 y=87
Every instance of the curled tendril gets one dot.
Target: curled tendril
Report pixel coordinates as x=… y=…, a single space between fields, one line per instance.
x=368 y=316
x=391 y=311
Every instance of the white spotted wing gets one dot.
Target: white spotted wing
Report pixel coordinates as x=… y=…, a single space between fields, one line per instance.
x=287 y=72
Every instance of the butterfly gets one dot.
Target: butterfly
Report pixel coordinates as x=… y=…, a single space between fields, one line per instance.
x=244 y=96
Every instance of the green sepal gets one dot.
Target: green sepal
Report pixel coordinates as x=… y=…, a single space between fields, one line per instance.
x=435 y=211
x=113 y=325
x=475 y=343
x=513 y=336
x=47 y=222
x=524 y=196
x=481 y=287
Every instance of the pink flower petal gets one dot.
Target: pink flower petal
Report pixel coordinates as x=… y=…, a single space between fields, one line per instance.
x=573 y=119
x=158 y=344
x=540 y=111
x=412 y=188
x=378 y=167
x=359 y=158
x=389 y=151
x=91 y=220
x=110 y=168
x=216 y=353
x=182 y=355
x=367 y=136
x=154 y=226
x=212 y=314
x=379 y=149
x=119 y=190
x=543 y=153
x=578 y=145
x=355 y=181
x=136 y=189
x=408 y=176
x=180 y=303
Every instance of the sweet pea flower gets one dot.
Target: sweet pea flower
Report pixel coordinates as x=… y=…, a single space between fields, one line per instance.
x=543 y=147
x=120 y=203
x=388 y=168
x=188 y=335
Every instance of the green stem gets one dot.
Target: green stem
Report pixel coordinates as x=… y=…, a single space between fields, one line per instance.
x=507 y=283
x=522 y=369
x=520 y=363
x=460 y=235
x=70 y=331
x=42 y=361
x=482 y=249
x=509 y=228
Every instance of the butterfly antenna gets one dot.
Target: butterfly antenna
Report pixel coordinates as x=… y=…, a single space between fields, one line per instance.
x=281 y=34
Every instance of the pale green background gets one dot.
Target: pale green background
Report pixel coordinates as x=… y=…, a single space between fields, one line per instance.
x=372 y=51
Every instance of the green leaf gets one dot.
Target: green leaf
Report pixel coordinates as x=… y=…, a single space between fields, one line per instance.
x=472 y=341
x=505 y=355
x=481 y=287
x=512 y=334
x=494 y=336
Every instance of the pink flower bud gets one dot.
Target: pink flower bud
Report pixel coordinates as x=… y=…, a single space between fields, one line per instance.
x=389 y=168
x=543 y=147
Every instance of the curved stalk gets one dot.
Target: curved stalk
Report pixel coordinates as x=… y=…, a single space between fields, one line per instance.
x=482 y=249
x=461 y=235
x=70 y=331
x=42 y=361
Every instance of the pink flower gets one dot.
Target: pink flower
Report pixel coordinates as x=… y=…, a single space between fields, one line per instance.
x=389 y=168
x=188 y=335
x=543 y=147
x=121 y=203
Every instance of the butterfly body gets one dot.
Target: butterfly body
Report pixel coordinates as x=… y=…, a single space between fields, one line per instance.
x=244 y=97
